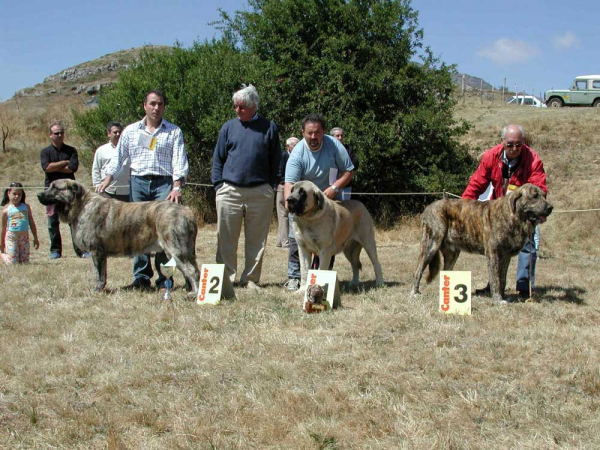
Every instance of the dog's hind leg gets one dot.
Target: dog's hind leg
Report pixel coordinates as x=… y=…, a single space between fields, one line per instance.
x=189 y=268
x=352 y=253
x=99 y=260
x=450 y=258
x=372 y=252
x=428 y=256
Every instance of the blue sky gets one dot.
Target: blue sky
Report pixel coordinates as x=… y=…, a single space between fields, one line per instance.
x=536 y=44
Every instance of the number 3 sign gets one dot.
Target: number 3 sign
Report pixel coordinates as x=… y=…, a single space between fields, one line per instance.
x=455 y=292
x=211 y=284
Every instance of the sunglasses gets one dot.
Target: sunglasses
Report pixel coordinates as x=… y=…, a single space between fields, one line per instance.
x=513 y=144
x=58 y=133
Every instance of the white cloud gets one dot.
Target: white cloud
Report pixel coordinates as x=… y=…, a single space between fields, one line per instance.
x=565 y=42
x=507 y=51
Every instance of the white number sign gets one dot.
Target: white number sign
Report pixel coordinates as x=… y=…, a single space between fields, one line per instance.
x=211 y=284
x=455 y=292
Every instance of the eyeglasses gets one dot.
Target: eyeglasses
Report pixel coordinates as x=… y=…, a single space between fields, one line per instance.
x=513 y=144
x=239 y=106
x=58 y=133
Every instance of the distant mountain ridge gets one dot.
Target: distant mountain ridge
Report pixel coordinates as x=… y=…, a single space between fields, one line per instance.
x=88 y=79
x=471 y=82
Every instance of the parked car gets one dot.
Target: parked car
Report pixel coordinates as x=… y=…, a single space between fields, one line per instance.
x=528 y=100
x=585 y=91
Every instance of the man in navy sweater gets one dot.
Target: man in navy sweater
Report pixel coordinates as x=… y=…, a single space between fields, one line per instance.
x=245 y=175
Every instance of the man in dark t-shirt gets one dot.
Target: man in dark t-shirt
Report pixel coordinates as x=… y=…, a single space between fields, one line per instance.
x=59 y=161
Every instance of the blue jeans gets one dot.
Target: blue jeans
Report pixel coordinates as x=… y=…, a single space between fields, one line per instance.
x=145 y=189
x=293 y=256
x=530 y=248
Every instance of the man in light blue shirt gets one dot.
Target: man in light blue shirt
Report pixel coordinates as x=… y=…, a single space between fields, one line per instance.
x=324 y=161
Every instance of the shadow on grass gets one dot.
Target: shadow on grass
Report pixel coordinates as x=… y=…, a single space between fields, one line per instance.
x=546 y=293
x=560 y=294
x=364 y=286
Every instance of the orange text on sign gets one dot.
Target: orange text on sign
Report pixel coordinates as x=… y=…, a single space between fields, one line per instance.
x=446 y=289
x=203 y=282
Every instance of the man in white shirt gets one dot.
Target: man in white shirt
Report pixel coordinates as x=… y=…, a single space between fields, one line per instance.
x=104 y=155
x=159 y=166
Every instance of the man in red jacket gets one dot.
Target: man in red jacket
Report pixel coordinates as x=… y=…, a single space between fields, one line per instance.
x=507 y=166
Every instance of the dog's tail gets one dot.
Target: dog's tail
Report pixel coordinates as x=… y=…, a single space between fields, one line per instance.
x=434 y=268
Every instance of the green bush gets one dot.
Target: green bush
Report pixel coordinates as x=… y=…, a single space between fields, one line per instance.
x=351 y=61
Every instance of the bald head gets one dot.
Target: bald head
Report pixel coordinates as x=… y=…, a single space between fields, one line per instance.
x=513 y=137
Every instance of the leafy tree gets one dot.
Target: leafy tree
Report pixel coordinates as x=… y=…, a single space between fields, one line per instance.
x=198 y=83
x=351 y=61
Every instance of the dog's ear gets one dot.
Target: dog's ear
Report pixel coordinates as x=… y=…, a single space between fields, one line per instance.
x=77 y=189
x=514 y=197
x=319 y=200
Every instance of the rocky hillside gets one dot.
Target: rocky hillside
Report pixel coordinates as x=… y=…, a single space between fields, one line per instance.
x=471 y=83
x=85 y=80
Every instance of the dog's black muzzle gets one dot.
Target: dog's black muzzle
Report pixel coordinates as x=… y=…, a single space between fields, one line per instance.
x=296 y=205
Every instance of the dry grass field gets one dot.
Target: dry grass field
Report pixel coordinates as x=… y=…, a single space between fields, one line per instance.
x=122 y=370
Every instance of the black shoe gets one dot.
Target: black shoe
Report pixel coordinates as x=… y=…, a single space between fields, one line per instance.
x=138 y=286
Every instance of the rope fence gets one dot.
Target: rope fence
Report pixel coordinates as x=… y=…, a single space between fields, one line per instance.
x=435 y=193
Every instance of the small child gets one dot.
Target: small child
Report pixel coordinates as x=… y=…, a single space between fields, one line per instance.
x=16 y=221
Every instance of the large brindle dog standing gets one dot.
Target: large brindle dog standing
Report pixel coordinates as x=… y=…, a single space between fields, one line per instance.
x=497 y=229
x=106 y=227
x=326 y=227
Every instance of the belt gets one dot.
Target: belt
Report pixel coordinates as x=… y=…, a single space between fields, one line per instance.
x=153 y=177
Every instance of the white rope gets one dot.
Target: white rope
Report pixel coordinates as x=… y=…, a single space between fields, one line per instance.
x=353 y=193
x=574 y=210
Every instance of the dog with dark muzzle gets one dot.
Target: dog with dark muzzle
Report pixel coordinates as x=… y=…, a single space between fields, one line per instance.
x=326 y=227
x=107 y=227
x=497 y=229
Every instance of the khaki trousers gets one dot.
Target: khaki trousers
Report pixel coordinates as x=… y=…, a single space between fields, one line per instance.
x=283 y=226
x=253 y=206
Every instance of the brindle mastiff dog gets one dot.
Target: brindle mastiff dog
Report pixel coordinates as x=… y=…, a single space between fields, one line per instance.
x=106 y=227
x=496 y=228
x=326 y=228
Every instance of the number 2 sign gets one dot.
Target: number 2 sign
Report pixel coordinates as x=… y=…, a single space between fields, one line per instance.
x=211 y=284
x=455 y=292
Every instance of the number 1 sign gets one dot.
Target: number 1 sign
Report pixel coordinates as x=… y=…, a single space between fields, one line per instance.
x=211 y=284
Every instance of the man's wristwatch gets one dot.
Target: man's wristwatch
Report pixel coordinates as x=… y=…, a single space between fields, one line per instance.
x=177 y=188
x=335 y=188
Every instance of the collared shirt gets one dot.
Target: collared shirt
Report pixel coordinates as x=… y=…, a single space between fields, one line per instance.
x=159 y=153
x=102 y=159
x=51 y=154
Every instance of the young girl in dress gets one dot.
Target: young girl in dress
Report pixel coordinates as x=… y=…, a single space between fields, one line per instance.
x=16 y=222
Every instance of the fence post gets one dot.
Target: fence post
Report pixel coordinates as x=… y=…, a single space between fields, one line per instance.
x=463 y=88
x=481 y=92
x=503 y=89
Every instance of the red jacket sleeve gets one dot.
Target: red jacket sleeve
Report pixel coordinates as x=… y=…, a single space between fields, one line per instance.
x=479 y=181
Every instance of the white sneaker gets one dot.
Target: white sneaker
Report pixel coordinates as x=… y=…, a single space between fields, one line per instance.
x=293 y=284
